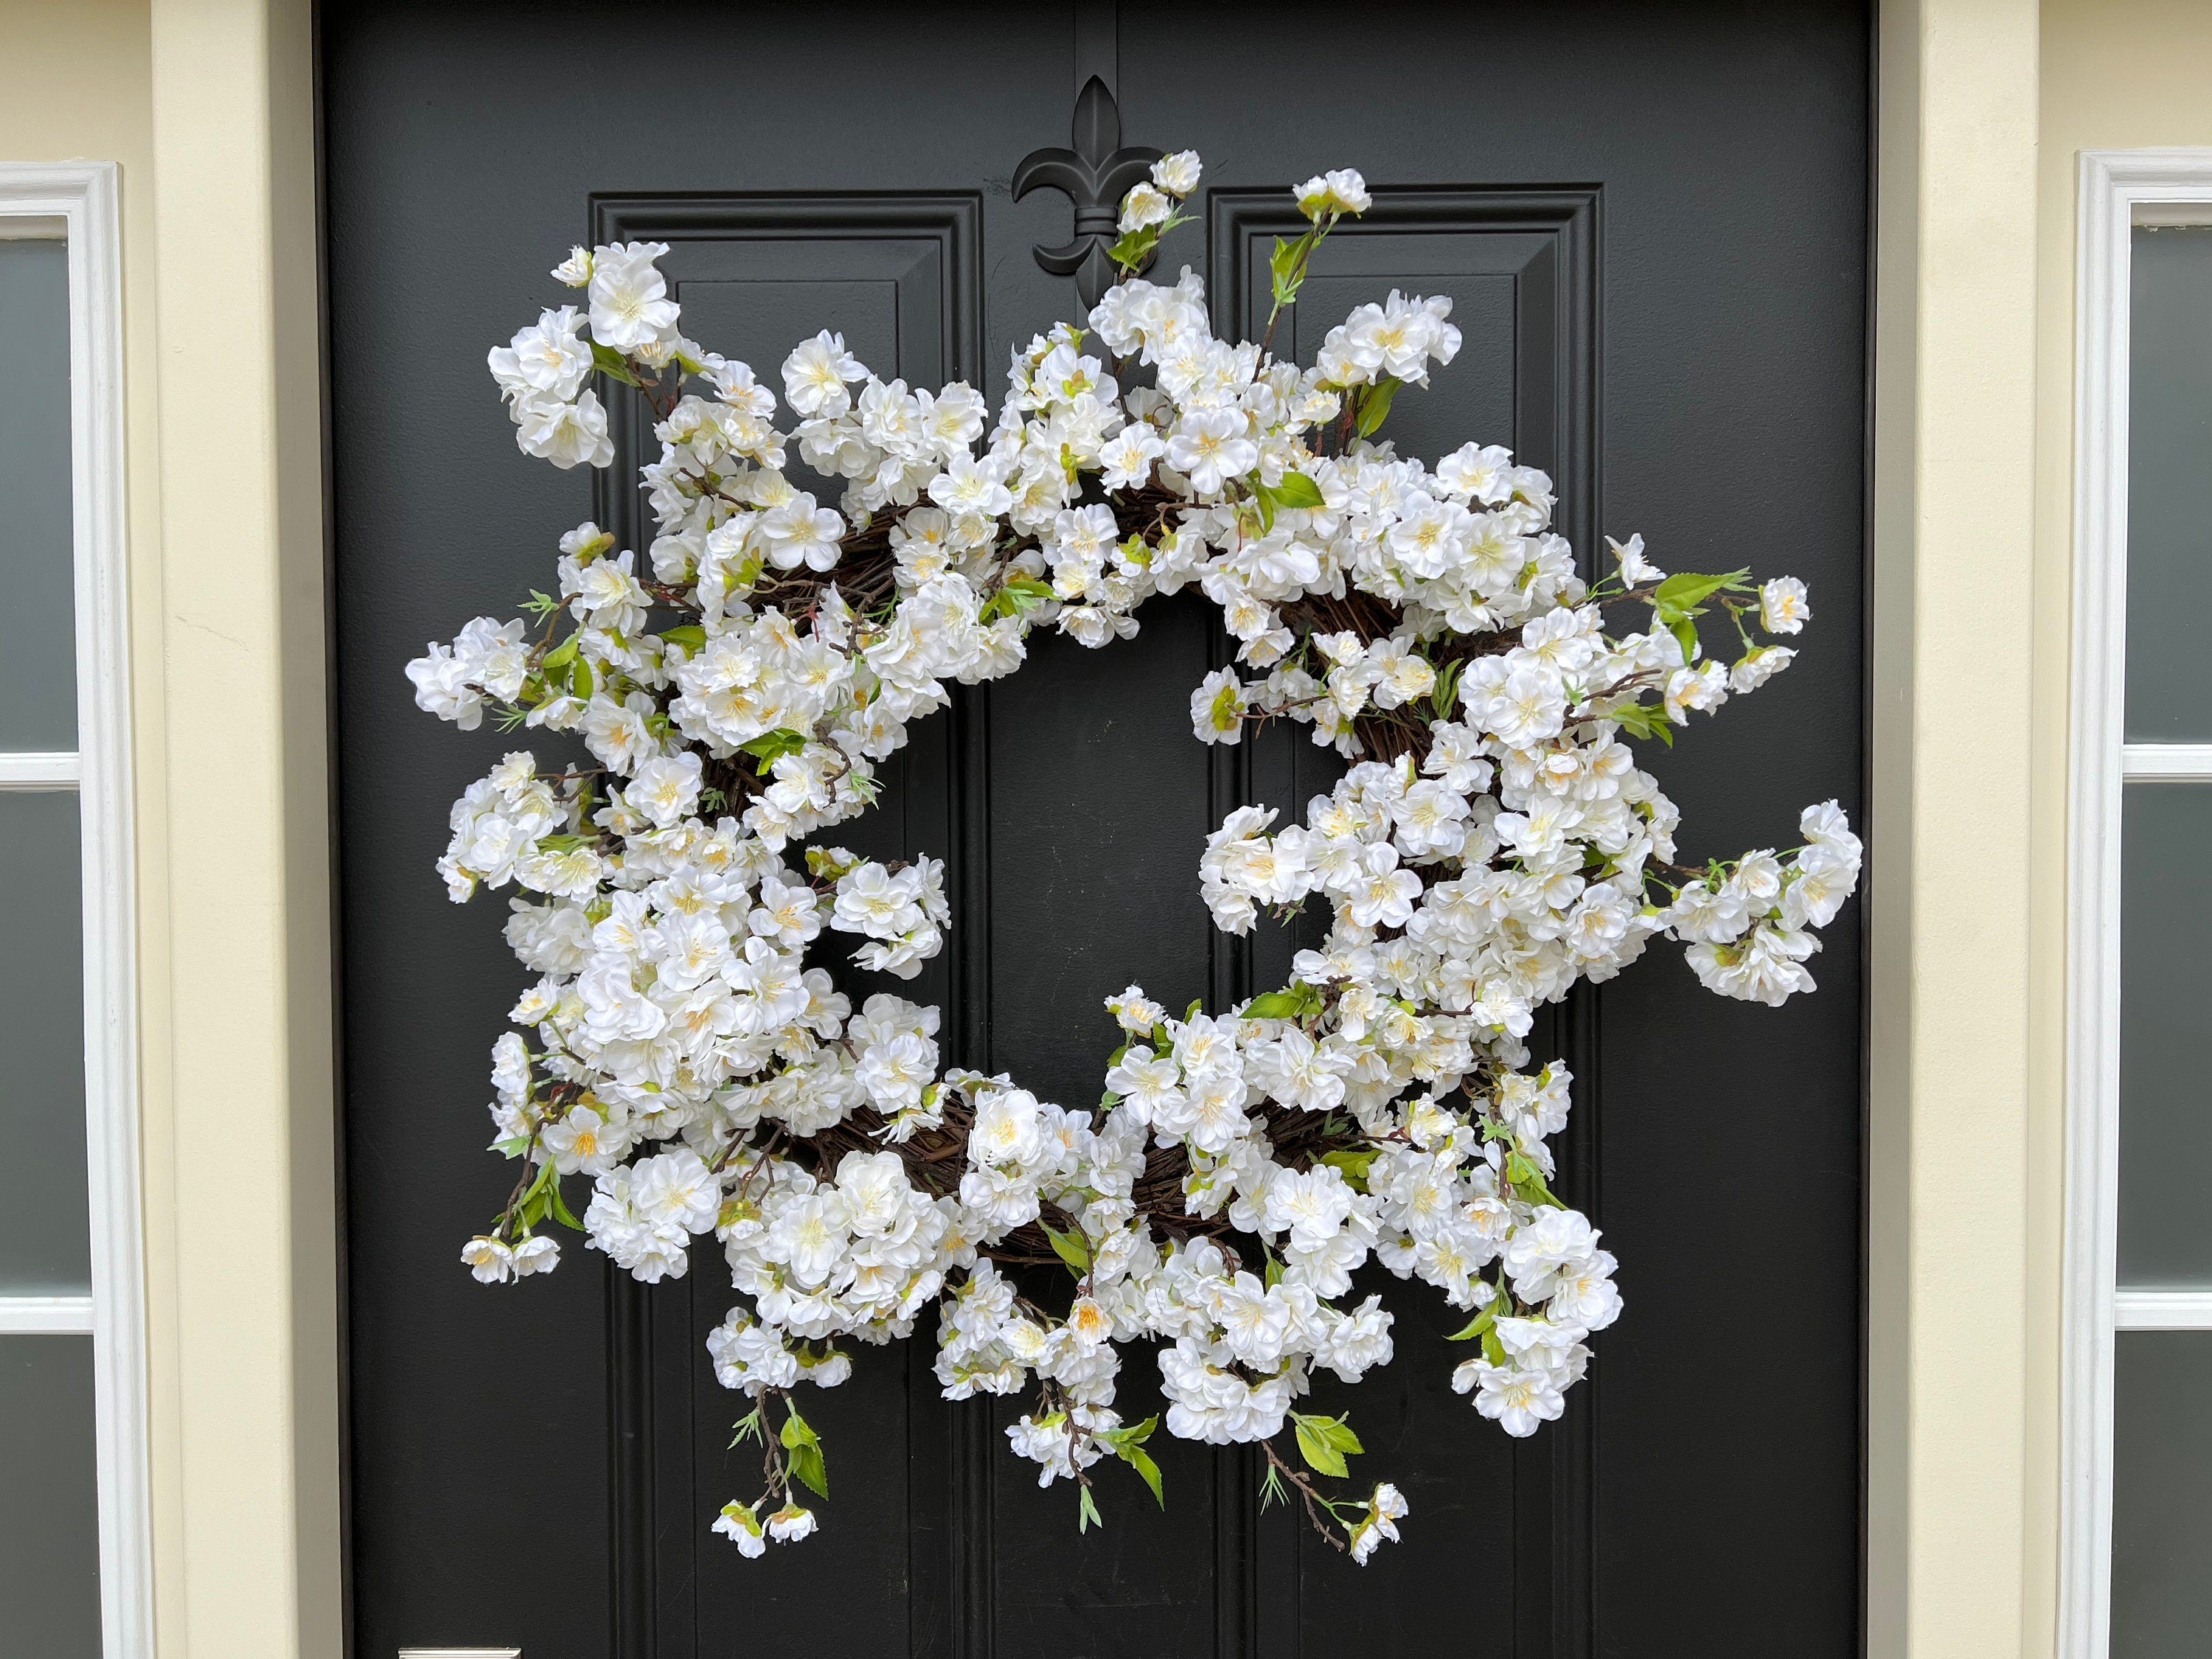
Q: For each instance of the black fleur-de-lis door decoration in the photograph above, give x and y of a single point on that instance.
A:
(1095, 174)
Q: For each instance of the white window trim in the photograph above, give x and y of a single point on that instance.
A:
(45, 1316)
(36, 771)
(2118, 190)
(82, 195)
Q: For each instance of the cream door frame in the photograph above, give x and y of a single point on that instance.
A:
(1954, 1533)
(246, 1318)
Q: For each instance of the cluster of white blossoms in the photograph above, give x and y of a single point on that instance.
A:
(1493, 841)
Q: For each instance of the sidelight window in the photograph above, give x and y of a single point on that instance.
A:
(73, 1579)
(2139, 1370)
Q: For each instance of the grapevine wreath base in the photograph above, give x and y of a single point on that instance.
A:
(1493, 841)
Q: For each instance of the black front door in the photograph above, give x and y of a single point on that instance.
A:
(1651, 222)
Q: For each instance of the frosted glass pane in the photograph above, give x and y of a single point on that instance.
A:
(2162, 1495)
(44, 1227)
(2165, 1039)
(38, 650)
(49, 1500)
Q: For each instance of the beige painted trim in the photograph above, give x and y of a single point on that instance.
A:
(256, 1459)
(1952, 886)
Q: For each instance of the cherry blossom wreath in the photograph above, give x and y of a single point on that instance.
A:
(1493, 841)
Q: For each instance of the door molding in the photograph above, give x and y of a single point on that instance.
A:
(928, 241)
(1568, 215)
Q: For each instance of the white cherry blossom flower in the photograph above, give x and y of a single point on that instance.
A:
(565, 433)
(818, 372)
(1339, 191)
(630, 306)
(1178, 174)
(1144, 206)
(1782, 606)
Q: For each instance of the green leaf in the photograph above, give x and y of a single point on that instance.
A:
(1134, 1434)
(579, 679)
(1264, 498)
(1296, 1000)
(1275, 1274)
(1132, 248)
(1645, 721)
(1314, 1446)
(1191, 1012)
(1447, 689)
(612, 363)
(1529, 1180)
(1354, 1162)
(1492, 1349)
(560, 656)
(1282, 267)
(1338, 1432)
(1073, 1249)
(806, 1463)
(1127, 1444)
(1297, 490)
(691, 636)
(1086, 1511)
(1681, 593)
(1021, 593)
(772, 746)
(1375, 407)
(1634, 717)
(1141, 1460)
(1481, 1322)
(557, 1207)
(805, 1448)
(1685, 634)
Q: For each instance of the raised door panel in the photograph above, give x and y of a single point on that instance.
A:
(1521, 268)
(898, 275)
